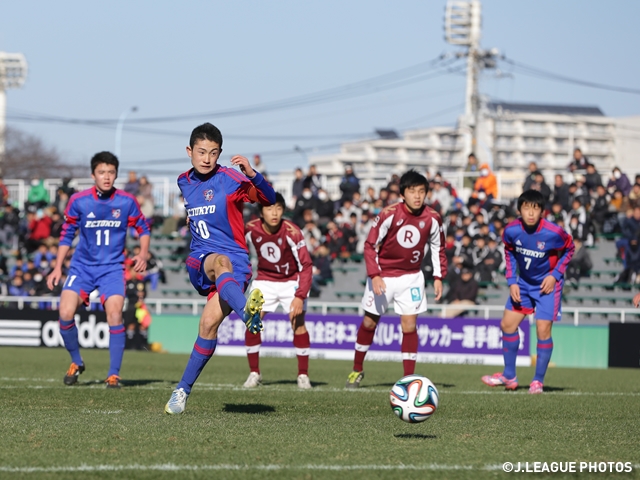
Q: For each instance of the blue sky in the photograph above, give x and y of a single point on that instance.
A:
(93, 60)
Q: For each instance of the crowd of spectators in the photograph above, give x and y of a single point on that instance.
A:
(587, 203)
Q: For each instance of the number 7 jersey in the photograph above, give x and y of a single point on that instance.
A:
(103, 222)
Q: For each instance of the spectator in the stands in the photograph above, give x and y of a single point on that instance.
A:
(321, 270)
(486, 186)
(541, 186)
(557, 213)
(463, 291)
(370, 196)
(530, 178)
(305, 202)
(579, 161)
(17, 289)
(619, 181)
(394, 182)
(309, 231)
(325, 207)
(634, 196)
(38, 229)
(313, 180)
(600, 208)
(561, 192)
(298, 186)
(442, 196)
(393, 198)
(38, 196)
(576, 192)
(349, 184)
(133, 184)
(631, 269)
(592, 178)
(4, 193)
(349, 208)
(471, 171)
(580, 263)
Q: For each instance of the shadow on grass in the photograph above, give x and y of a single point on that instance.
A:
(389, 385)
(292, 382)
(254, 408)
(444, 385)
(420, 436)
(142, 381)
(125, 383)
(546, 388)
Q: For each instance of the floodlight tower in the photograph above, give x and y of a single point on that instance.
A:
(13, 73)
(462, 26)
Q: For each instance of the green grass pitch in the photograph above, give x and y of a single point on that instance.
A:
(276, 431)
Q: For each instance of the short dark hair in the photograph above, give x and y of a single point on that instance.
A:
(279, 201)
(412, 178)
(206, 131)
(533, 197)
(104, 157)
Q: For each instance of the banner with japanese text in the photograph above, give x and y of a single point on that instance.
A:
(441, 340)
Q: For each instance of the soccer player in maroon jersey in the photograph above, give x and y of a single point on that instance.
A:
(284, 277)
(393, 252)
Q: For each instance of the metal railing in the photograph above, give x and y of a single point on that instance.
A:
(317, 306)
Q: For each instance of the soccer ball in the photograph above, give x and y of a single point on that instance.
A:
(414, 398)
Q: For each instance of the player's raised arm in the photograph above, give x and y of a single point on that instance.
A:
(258, 190)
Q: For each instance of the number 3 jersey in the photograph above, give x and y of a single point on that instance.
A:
(214, 204)
(538, 254)
(103, 220)
(282, 256)
(399, 240)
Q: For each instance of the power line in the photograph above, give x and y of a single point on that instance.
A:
(396, 79)
(537, 72)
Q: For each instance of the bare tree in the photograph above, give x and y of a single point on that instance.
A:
(26, 157)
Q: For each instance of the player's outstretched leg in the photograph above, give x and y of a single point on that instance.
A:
(363, 342)
(69, 333)
(252, 309)
(252, 343)
(248, 309)
(202, 351)
(302, 344)
(544, 350)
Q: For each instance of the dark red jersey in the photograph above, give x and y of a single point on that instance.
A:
(282, 256)
(398, 241)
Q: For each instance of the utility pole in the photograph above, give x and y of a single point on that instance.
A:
(463, 27)
(13, 72)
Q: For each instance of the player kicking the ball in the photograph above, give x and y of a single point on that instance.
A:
(541, 251)
(102, 214)
(218, 264)
(393, 252)
(284, 278)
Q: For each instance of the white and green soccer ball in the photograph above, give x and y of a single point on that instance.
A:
(414, 398)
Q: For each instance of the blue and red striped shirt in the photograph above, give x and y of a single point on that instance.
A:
(214, 204)
(103, 221)
(536, 254)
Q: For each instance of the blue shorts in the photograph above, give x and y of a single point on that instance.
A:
(203, 284)
(546, 307)
(84, 279)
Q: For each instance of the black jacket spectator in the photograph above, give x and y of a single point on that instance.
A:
(349, 184)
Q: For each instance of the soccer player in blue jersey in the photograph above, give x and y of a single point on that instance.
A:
(218, 264)
(102, 215)
(540, 252)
